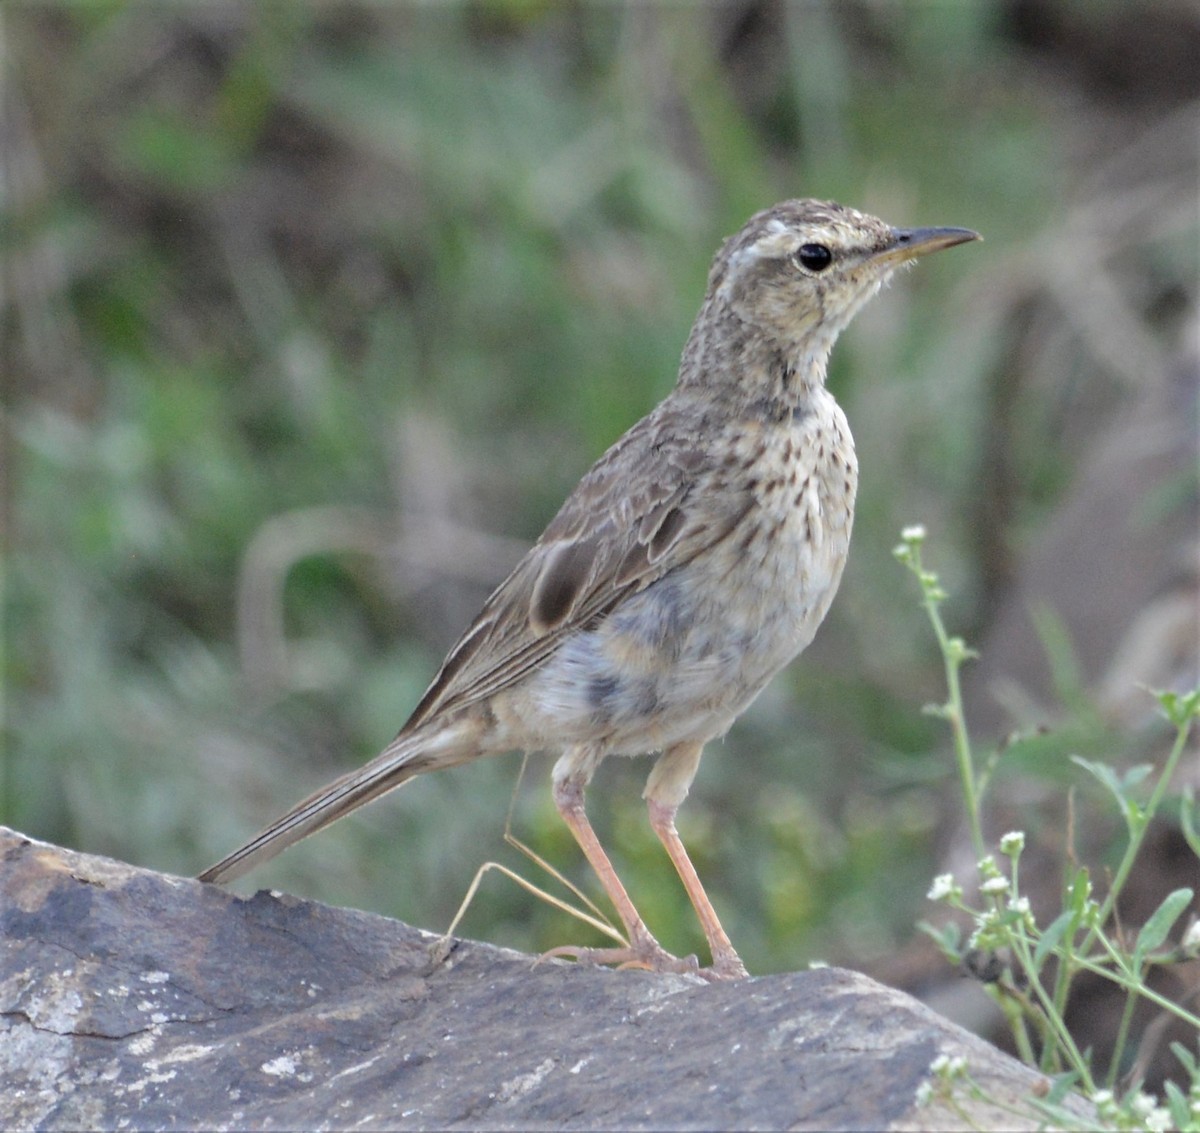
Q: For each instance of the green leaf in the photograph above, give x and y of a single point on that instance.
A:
(1106, 776)
(1079, 892)
(1179, 708)
(1120, 787)
(1052, 937)
(1187, 819)
(948, 938)
(1135, 775)
(1187, 1058)
(1177, 1105)
(1155, 930)
(1060, 1086)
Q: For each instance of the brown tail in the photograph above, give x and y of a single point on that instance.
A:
(407, 755)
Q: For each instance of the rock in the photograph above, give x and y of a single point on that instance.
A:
(130, 999)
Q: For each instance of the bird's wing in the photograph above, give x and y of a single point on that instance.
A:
(647, 507)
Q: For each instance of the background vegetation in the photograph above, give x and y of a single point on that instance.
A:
(313, 313)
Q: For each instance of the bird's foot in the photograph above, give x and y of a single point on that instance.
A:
(643, 951)
(727, 966)
(646, 953)
(657, 960)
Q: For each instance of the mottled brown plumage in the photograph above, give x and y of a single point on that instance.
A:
(696, 558)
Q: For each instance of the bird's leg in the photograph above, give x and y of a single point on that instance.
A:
(666, 789)
(643, 950)
(727, 965)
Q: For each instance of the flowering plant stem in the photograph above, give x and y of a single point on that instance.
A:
(954, 652)
(1086, 936)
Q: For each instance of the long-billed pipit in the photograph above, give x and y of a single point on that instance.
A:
(695, 560)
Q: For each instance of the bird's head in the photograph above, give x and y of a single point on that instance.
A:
(799, 271)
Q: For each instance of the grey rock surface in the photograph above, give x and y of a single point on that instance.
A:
(134, 1000)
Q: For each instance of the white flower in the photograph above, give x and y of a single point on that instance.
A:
(1146, 1109)
(948, 1066)
(914, 533)
(943, 886)
(988, 867)
(1143, 1105)
(1158, 1120)
(1012, 843)
(1105, 1103)
(1191, 938)
(994, 886)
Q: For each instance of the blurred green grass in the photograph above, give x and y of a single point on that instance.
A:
(417, 266)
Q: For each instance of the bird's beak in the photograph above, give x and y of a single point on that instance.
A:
(910, 243)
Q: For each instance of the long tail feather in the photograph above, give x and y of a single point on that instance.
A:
(408, 755)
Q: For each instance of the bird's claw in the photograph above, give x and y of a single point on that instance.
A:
(649, 956)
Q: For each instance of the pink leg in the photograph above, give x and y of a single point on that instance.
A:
(643, 951)
(727, 965)
(666, 789)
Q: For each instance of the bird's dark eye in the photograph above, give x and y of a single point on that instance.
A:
(814, 257)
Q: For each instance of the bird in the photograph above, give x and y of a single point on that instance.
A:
(694, 560)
